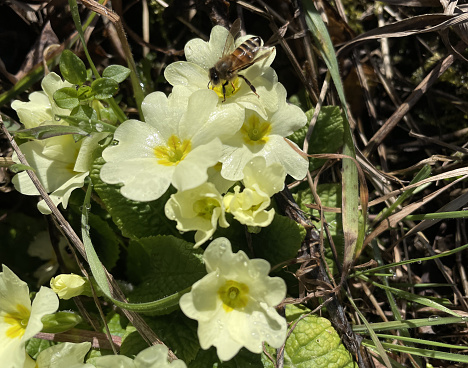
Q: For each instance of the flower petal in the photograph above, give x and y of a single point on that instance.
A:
(143, 178)
(192, 171)
(183, 73)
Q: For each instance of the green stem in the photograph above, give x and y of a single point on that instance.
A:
(117, 110)
(76, 19)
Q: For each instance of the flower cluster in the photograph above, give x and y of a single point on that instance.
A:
(61, 163)
(202, 140)
(222, 146)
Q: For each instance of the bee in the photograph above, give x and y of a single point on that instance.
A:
(230, 64)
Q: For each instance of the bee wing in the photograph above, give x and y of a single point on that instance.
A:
(233, 33)
(262, 56)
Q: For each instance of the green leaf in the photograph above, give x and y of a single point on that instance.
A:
(66, 98)
(177, 331)
(116, 72)
(60, 322)
(35, 346)
(173, 266)
(83, 112)
(100, 276)
(106, 240)
(88, 125)
(278, 242)
(16, 168)
(314, 343)
(72, 68)
(134, 219)
(327, 136)
(48, 131)
(104, 88)
(85, 93)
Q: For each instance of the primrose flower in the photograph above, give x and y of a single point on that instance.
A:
(197, 209)
(265, 137)
(61, 165)
(67, 286)
(41, 107)
(152, 357)
(19, 321)
(261, 182)
(178, 143)
(234, 303)
(194, 73)
(68, 355)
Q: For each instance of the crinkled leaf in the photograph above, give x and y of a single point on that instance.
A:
(178, 332)
(134, 219)
(314, 343)
(66, 98)
(48, 131)
(72, 68)
(278, 242)
(116, 72)
(327, 136)
(173, 266)
(104, 88)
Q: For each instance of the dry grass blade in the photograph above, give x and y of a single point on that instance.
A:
(393, 220)
(415, 25)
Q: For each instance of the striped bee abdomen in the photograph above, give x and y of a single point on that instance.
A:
(247, 50)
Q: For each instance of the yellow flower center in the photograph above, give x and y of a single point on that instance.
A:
(234, 295)
(174, 152)
(18, 322)
(204, 207)
(255, 131)
(231, 88)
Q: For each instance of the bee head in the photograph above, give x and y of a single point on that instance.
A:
(214, 77)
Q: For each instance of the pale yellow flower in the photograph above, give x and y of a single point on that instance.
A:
(19, 320)
(234, 303)
(179, 141)
(197, 209)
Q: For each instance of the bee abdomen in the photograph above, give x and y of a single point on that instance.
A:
(248, 49)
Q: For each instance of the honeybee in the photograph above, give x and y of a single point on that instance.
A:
(226, 69)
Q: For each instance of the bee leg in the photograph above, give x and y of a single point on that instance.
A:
(252, 87)
(224, 90)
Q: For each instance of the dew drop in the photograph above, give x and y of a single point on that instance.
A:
(56, 118)
(433, 318)
(99, 127)
(419, 262)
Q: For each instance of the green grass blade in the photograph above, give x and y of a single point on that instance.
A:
(353, 232)
(410, 323)
(427, 353)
